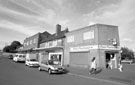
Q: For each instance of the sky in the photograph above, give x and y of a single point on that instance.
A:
(23, 18)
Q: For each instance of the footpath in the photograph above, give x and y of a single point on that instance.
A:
(125, 77)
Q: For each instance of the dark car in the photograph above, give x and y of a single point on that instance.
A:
(10, 56)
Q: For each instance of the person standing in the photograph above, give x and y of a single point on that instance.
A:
(110, 64)
(93, 66)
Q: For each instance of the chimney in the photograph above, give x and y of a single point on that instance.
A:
(58, 29)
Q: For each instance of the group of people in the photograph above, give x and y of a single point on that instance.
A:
(93, 66)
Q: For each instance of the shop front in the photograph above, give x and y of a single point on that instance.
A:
(109, 56)
(53, 53)
(82, 55)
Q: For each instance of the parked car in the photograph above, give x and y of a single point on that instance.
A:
(127, 61)
(31, 63)
(51, 67)
(19, 58)
(10, 56)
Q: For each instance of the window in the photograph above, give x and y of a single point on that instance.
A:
(47, 44)
(24, 44)
(30, 41)
(88, 35)
(60, 40)
(27, 43)
(70, 39)
(54, 43)
(35, 40)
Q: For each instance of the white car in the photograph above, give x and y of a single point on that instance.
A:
(19, 58)
(31, 63)
(51, 67)
(127, 61)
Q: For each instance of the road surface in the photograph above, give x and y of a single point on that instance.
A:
(12, 73)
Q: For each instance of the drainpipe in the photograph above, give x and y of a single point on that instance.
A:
(98, 46)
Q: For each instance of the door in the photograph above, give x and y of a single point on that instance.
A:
(43, 65)
(111, 60)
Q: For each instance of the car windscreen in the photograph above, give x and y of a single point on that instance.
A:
(22, 56)
(53, 62)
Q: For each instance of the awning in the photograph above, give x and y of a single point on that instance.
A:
(49, 48)
(25, 50)
(112, 51)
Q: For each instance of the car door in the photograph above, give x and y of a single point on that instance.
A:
(43, 65)
(46, 66)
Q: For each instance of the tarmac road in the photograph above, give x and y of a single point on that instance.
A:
(12, 73)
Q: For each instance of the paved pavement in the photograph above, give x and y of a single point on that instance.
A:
(125, 77)
(12, 73)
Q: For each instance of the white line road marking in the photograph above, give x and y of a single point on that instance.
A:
(96, 79)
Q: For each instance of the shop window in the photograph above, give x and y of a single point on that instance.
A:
(56, 58)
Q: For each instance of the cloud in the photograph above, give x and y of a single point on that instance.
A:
(91, 23)
(18, 27)
(59, 2)
(128, 40)
(121, 14)
(31, 23)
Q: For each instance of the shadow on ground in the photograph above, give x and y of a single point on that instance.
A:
(98, 70)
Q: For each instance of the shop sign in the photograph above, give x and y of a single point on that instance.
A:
(87, 48)
(108, 47)
(83, 48)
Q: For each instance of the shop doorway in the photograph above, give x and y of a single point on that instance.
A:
(56, 58)
(110, 60)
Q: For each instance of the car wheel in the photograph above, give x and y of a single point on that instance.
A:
(15, 61)
(39, 69)
(50, 71)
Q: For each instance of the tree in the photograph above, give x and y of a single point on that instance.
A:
(12, 48)
(127, 53)
(15, 44)
(6, 49)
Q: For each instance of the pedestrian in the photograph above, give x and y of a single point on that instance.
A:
(120, 66)
(93, 66)
(110, 64)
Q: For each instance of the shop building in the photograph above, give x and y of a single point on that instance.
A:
(33, 42)
(52, 47)
(98, 40)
